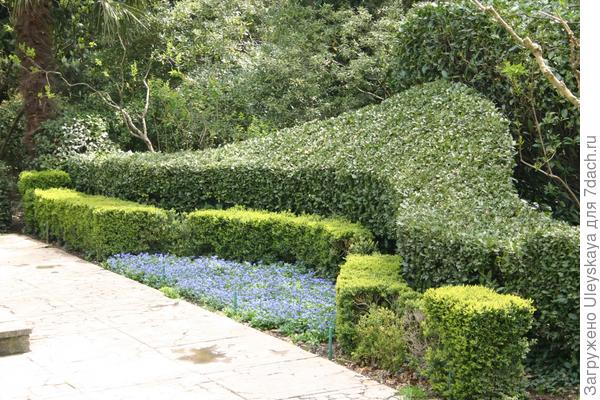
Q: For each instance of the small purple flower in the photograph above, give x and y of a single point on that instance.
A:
(269, 296)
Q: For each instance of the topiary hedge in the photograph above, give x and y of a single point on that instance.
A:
(96, 225)
(5, 204)
(429, 169)
(249, 235)
(365, 281)
(456, 41)
(477, 342)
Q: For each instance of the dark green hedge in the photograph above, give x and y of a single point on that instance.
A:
(5, 203)
(365, 281)
(456, 41)
(96, 225)
(429, 169)
(476, 342)
(248, 235)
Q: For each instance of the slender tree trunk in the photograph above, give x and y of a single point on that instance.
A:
(33, 29)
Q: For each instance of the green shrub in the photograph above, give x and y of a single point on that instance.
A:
(454, 40)
(42, 180)
(366, 281)
(96, 225)
(73, 132)
(477, 341)
(5, 203)
(30, 180)
(248, 235)
(380, 339)
(429, 170)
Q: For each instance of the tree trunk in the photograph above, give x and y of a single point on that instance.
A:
(33, 28)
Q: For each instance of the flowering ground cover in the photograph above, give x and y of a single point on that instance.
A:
(268, 296)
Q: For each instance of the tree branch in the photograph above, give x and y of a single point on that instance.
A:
(535, 49)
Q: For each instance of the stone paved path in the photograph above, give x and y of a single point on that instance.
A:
(100, 336)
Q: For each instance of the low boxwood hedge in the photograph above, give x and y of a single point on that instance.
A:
(96, 225)
(477, 342)
(249, 235)
(366, 281)
(47, 179)
(429, 169)
(30, 180)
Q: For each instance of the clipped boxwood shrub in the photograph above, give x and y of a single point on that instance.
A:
(429, 169)
(477, 340)
(97, 225)
(30, 180)
(365, 281)
(47, 179)
(5, 204)
(249, 235)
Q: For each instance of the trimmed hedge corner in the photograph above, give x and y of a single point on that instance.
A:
(96, 225)
(365, 281)
(249, 235)
(43, 180)
(477, 340)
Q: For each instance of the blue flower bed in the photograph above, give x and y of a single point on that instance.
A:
(274, 296)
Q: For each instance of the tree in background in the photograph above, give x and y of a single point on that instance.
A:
(33, 23)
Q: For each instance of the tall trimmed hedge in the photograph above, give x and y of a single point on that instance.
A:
(251, 235)
(97, 225)
(456, 41)
(429, 169)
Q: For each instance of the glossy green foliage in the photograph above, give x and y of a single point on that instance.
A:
(478, 342)
(365, 281)
(455, 41)
(429, 169)
(5, 203)
(248, 235)
(97, 225)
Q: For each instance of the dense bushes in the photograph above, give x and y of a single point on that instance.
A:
(249, 235)
(5, 203)
(363, 282)
(430, 169)
(455, 41)
(380, 339)
(96, 225)
(478, 342)
(73, 132)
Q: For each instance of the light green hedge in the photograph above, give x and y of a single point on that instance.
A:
(365, 281)
(43, 180)
(96, 225)
(249, 235)
(428, 171)
(477, 342)
(30, 180)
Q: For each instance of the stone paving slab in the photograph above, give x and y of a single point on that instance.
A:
(100, 336)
